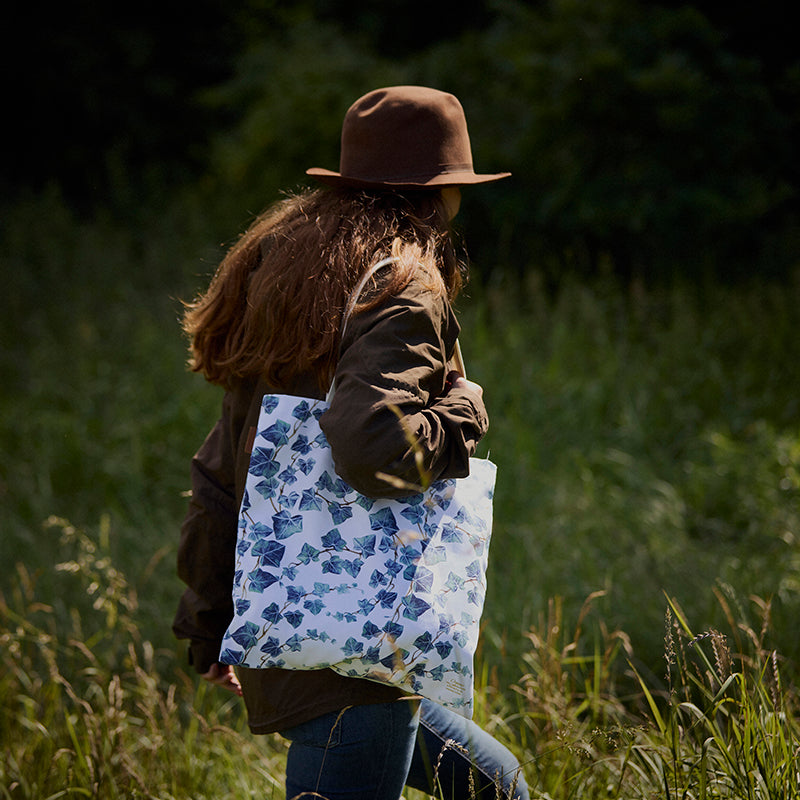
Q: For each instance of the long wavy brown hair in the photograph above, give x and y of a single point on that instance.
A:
(274, 307)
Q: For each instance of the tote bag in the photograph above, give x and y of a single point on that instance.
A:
(391, 590)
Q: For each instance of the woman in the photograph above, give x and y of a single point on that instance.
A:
(270, 322)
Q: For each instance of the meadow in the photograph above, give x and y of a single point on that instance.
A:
(640, 635)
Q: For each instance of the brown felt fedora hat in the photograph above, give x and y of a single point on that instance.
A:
(404, 137)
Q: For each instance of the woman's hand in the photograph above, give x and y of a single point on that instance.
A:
(456, 380)
(224, 676)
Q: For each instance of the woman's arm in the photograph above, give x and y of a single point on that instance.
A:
(392, 390)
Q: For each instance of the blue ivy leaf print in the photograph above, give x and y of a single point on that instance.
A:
(260, 580)
(260, 531)
(353, 567)
(423, 580)
(289, 475)
(301, 444)
(377, 579)
(386, 544)
(365, 502)
(370, 630)
(446, 621)
(393, 629)
(383, 520)
(295, 643)
(314, 606)
(325, 482)
(474, 597)
(392, 567)
(269, 403)
(228, 656)
(436, 554)
(286, 525)
(268, 488)
(306, 465)
(339, 513)
(414, 607)
(277, 433)
(352, 647)
(289, 573)
(294, 618)
(272, 613)
(474, 569)
(321, 589)
(317, 412)
(263, 463)
(414, 514)
(269, 552)
(408, 554)
(242, 606)
(454, 582)
(460, 638)
(365, 607)
(450, 533)
(302, 411)
(333, 540)
(366, 545)
(288, 500)
(309, 501)
(294, 594)
(372, 655)
(395, 660)
(437, 673)
(444, 649)
(237, 577)
(341, 489)
(386, 598)
(246, 635)
(242, 546)
(333, 565)
(424, 642)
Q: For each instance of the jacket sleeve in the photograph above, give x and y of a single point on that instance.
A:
(207, 546)
(390, 413)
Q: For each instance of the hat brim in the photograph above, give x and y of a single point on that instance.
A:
(438, 181)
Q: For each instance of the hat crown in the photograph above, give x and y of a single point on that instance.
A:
(405, 133)
(404, 137)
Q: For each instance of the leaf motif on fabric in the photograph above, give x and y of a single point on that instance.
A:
(333, 540)
(384, 520)
(294, 618)
(269, 403)
(301, 444)
(269, 552)
(414, 607)
(339, 513)
(263, 463)
(260, 580)
(309, 501)
(272, 613)
(314, 606)
(286, 525)
(352, 647)
(366, 545)
(277, 433)
(246, 635)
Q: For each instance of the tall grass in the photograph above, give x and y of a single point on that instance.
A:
(648, 449)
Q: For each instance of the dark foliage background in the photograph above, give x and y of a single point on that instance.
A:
(645, 139)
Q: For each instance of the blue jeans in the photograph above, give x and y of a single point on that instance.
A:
(371, 752)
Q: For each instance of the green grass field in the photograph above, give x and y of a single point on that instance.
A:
(640, 636)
